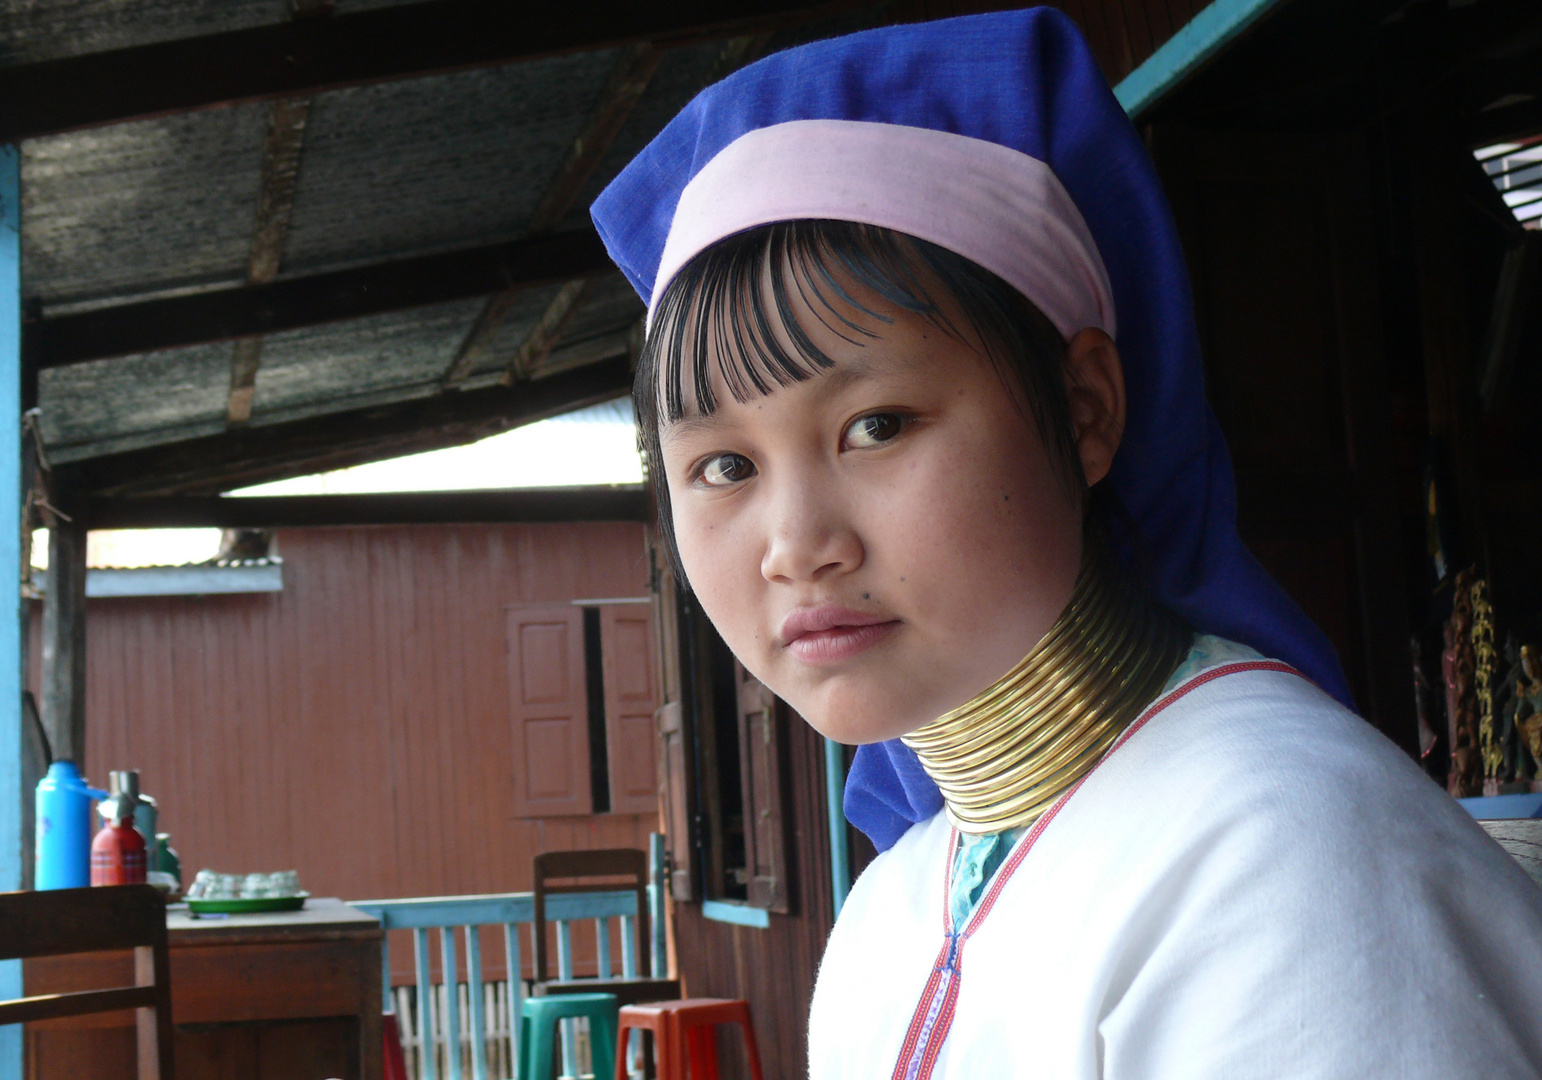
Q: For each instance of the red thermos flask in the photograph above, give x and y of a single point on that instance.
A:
(118, 852)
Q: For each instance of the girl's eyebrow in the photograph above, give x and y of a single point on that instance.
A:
(692, 425)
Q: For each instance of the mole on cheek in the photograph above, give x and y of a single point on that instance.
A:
(868, 596)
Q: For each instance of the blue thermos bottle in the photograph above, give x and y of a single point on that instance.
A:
(64, 828)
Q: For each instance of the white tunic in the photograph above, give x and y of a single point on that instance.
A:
(1253, 883)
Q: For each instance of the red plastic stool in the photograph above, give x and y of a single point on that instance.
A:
(654, 1018)
(685, 1036)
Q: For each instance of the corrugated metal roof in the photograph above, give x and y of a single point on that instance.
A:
(168, 206)
(344, 365)
(32, 30)
(134, 209)
(131, 401)
(430, 164)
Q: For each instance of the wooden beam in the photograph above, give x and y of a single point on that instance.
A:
(306, 56)
(245, 358)
(258, 453)
(538, 344)
(63, 707)
(280, 174)
(617, 98)
(254, 310)
(275, 203)
(599, 503)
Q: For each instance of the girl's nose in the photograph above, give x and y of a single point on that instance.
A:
(809, 537)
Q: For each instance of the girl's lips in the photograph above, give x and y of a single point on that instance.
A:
(840, 643)
(826, 635)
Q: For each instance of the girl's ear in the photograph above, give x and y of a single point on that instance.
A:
(1095, 392)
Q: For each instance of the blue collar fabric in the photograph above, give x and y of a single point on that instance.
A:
(1025, 80)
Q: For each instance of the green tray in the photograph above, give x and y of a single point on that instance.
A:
(248, 906)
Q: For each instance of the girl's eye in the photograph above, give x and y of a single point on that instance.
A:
(873, 429)
(727, 469)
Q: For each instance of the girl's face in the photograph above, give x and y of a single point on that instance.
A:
(883, 541)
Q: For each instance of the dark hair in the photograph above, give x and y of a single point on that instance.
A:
(716, 308)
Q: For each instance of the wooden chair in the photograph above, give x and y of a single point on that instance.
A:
(621, 869)
(625, 869)
(62, 921)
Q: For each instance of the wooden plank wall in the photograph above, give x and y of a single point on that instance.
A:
(355, 726)
(773, 968)
(1121, 33)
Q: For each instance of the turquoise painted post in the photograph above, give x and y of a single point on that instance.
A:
(516, 973)
(12, 843)
(602, 944)
(628, 948)
(565, 972)
(478, 1002)
(1206, 34)
(658, 960)
(840, 855)
(451, 1003)
(424, 960)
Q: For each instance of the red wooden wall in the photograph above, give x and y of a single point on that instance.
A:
(355, 726)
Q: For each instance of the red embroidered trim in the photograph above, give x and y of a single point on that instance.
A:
(913, 1035)
(939, 1034)
(944, 1021)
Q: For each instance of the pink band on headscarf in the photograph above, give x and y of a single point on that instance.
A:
(991, 204)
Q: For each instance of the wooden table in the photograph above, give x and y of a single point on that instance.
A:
(253, 997)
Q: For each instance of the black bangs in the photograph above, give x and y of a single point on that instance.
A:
(728, 304)
(733, 306)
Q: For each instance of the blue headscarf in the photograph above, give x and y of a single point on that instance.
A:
(1027, 81)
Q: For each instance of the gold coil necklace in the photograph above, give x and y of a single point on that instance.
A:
(1004, 757)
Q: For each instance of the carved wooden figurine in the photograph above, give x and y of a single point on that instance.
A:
(1528, 704)
(1484, 661)
(1519, 764)
(1465, 778)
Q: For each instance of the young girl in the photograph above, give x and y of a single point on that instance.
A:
(922, 398)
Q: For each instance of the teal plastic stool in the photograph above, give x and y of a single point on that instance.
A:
(538, 1028)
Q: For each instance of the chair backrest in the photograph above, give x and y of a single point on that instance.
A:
(582, 869)
(63, 921)
(491, 1014)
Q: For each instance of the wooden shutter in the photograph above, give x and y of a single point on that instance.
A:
(549, 706)
(675, 738)
(675, 768)
(761, 721)
(631, 698)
